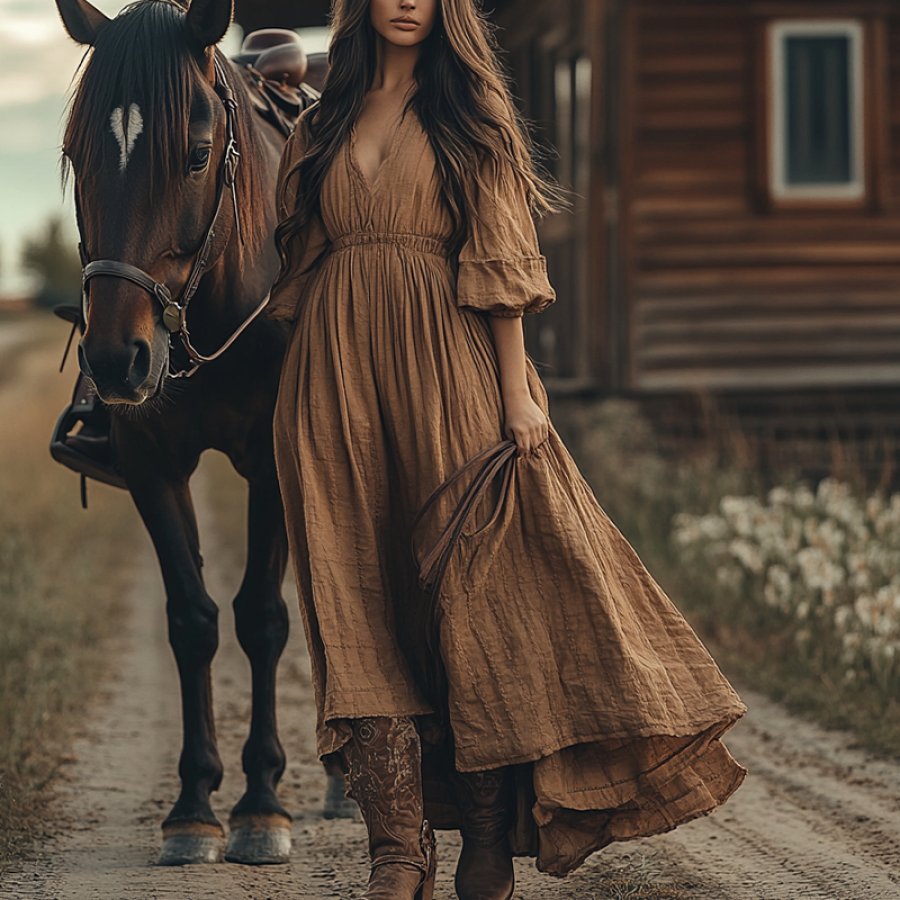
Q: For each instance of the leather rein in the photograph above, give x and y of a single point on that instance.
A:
(492, 463)
(174, 310)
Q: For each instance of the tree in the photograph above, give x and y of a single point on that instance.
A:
(53, 257)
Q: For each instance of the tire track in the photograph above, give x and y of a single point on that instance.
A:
(815, 818)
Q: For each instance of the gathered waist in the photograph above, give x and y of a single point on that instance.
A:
(422, 243)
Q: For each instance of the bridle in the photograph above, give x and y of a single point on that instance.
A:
(174, 310)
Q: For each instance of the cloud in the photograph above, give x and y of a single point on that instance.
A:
(37, 57)
(38, 61)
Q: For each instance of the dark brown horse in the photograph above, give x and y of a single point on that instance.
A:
(148, 135)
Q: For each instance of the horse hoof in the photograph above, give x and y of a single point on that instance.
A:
(259, 840)
(337, 804)
(185, 843)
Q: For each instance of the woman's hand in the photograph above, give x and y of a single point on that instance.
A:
(524, 422)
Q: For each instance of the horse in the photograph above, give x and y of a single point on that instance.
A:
(174, 183)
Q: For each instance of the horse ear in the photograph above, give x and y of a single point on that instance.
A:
(82, 21)
(208, 20)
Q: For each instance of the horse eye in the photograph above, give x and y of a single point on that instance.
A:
(199, 158)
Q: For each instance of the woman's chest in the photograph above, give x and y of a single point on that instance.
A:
(403, 194)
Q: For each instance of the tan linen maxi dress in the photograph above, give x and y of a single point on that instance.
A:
(562, 654)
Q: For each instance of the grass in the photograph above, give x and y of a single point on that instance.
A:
(63, 571)
(642, 488)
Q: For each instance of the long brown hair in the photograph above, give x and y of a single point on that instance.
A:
(462, 98)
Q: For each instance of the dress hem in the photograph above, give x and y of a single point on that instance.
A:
(728, 715)
(738, 779)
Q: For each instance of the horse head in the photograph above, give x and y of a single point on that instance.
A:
(146, 138)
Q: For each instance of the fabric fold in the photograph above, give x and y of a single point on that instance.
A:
(501, 268)
(505, 287)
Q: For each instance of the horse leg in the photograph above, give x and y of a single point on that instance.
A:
(260, 827)
(191, 832)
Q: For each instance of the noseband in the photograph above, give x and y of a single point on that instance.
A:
(174, 311)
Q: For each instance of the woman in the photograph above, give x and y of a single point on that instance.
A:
(575, 705)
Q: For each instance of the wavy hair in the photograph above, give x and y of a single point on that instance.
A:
(463, 99)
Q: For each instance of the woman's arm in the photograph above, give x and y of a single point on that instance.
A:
(524, 421)
(287, 291)
(502, 273)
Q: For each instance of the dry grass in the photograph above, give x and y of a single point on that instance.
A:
(61, 577)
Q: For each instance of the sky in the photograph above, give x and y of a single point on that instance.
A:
(37, 63)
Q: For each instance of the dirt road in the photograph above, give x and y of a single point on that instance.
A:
(814, 819)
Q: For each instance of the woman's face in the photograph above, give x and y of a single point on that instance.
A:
(387, 19)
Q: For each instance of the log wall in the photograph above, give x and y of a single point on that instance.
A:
(723, 291)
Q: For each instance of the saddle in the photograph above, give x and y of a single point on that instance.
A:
(273, 65)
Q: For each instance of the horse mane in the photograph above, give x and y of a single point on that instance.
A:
(144, 56)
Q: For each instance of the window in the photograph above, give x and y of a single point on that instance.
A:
(816, 138)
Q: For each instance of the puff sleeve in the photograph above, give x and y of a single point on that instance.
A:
(501, 269)
(287, 291)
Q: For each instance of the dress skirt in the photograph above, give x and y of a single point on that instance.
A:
(562, 656)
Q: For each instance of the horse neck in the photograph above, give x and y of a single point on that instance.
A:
(242, 275)
(229, 292)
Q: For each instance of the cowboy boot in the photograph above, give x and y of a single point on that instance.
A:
(485, 867)
(384, 762)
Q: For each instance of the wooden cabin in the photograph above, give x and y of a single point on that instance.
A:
(739, 169)
(736, 165)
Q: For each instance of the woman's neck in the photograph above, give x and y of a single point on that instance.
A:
(394, 67)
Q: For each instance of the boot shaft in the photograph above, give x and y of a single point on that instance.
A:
(485, 800)
(384, 775)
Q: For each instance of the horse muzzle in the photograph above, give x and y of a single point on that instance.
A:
(121, 374)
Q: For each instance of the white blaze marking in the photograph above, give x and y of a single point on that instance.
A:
(125, 128)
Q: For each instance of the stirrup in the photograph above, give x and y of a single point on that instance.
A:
(87, 454)
(80, 439)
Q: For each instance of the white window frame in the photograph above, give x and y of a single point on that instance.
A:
(779, 31)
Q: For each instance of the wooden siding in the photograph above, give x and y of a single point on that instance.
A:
(722, 291)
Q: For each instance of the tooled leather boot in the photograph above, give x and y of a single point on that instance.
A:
(384, 762)
(485, 868)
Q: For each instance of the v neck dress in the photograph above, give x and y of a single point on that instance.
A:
(563, 656)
